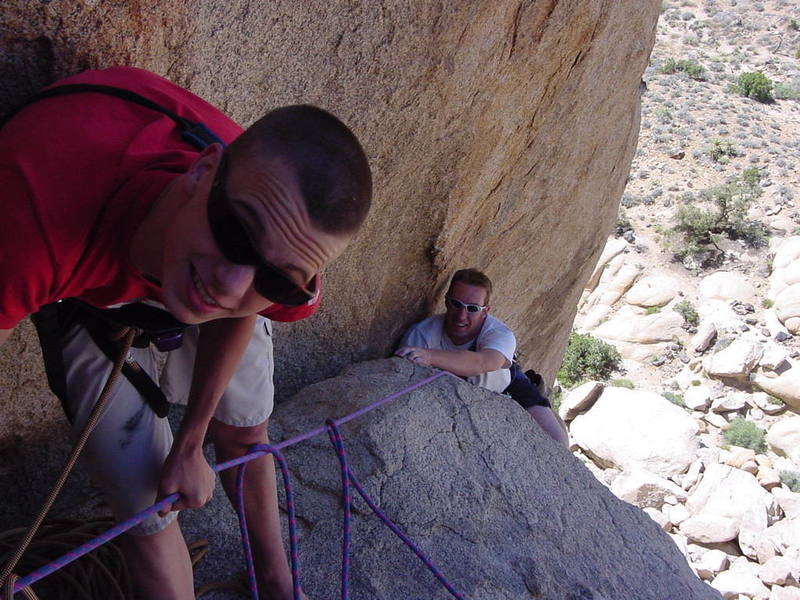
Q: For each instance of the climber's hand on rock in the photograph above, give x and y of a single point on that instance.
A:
(415, 354)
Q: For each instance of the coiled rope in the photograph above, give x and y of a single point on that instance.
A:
(7, 578)
(348, 478)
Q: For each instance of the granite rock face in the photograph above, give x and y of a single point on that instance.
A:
(502, 510)
(493, 129)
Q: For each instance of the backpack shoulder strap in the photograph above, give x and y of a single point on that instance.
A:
(196, 133)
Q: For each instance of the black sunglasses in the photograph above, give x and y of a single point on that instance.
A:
(457, 304)
(235, 243)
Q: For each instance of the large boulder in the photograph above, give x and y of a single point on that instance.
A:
(734, 361)
(640, 336)
(620, 431)
(653, 290)
(784, 438)
(500, 507)
(645, 489)
(613, 247)
(726, 286)
(493, 128)
(735, 495)
(637, 328)
(617, 277)
(784, 384)
(784, 282)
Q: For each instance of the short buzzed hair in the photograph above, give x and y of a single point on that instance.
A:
(473, 277)
(326, 158)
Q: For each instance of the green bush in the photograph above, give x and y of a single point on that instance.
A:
(651, 310)
(690, 67)
(791, 479)
(687, 310)
(754, 85)
(555, 398)
(587, 357)
(767, 303)
(751, 177)
(721, 151)
(675, 398)
(775, 400)
(721, 212)
(623, 383)
(745, 434)
(623, 223)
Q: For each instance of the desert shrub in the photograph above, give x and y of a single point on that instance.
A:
(767, 303)
(623, 224)
(687, 310)
(556, 397)
(720, 212)
(751, 177)
(676, 399)
(745, 434)
(693, 69)
(692, 231)
(721, 151)
(788, 91)
(791, 479)
(664, 115)
(587, 357)
(623, 383)
(775, 400)
(629, 200)
(754, 85)
(651, 310)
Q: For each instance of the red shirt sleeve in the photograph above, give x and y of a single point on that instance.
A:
(287, 314)
(23, 252)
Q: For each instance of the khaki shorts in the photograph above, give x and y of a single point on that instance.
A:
(129, 444)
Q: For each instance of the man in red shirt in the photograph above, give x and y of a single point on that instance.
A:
(104, 201)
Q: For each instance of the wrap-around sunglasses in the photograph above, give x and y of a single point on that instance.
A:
(457, 304)
(236, 245)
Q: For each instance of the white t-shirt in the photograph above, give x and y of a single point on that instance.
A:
(494, 335)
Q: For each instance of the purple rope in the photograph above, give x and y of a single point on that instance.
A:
(338, 444)
(349, 477)
(315, 432)
(256, 452)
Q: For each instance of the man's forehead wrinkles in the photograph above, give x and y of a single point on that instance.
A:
(294, 225)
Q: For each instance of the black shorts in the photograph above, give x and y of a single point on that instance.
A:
(523, 390)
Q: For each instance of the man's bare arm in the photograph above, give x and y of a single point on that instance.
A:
(219, 350)
(464, 363)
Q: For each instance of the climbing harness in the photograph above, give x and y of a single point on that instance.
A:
(348, 479)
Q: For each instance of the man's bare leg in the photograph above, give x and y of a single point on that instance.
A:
(261, 504)
(159, 564)
(550, 423)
